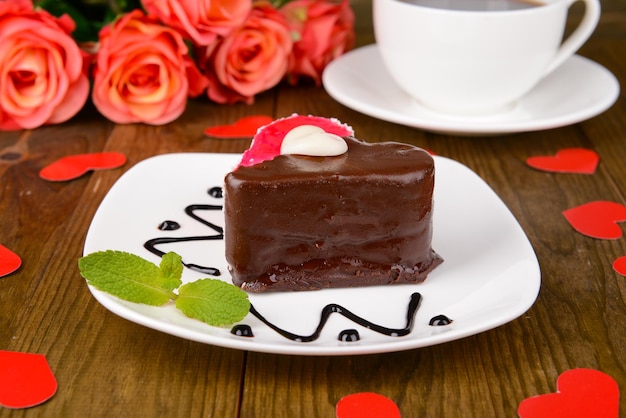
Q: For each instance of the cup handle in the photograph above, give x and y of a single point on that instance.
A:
(580, 35)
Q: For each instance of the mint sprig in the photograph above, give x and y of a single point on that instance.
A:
(134, 279)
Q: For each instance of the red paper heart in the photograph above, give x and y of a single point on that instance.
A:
(620, 265)
(597, 219)
(74, 166)
(580, 393)
(366, 405)
(25, 379)
(567, 160)
(242, 128)
(9, 261)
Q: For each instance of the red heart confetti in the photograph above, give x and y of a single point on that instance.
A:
(619, 265)
(581, 393)
(567, 160)
(74, 166)
(245, 127)
(9, 261)
(597, 219)
(25, 379)
(366, 405)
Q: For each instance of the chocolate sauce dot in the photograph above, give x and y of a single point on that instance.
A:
(349, 336)
(242, 330)
(169, 226)
(439, 320)
(216, 192)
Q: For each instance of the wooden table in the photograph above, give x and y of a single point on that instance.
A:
(108, 366)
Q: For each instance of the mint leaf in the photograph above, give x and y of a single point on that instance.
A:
(129, 277)
(171, 269)
(213, 301)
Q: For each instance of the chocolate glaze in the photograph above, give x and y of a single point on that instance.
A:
(362, 218)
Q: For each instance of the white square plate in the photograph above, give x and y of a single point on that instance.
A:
(490, 275)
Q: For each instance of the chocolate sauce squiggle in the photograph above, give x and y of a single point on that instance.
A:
(150, 245)
(331, 308)
(190, 210)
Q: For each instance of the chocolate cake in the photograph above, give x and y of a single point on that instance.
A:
(303, 222)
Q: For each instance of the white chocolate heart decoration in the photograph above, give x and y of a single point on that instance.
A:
(313, 141)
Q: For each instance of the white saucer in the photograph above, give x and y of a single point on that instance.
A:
(578, 90)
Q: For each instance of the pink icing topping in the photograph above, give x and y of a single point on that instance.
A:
(268, 139)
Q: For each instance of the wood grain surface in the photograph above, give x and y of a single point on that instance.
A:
(107, 366)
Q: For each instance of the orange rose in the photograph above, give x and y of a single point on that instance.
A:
(142, 72)
(41, 68)
(202, 21)
(250, 60)
(325, 30)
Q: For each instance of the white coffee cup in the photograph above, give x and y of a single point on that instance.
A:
(475, 62)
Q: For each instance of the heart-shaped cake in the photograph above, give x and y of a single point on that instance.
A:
(304, 212)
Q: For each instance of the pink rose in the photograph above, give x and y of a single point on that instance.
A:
(143, 72)
(42, 80)
(250, 60)
(202, 21)
(325, 30)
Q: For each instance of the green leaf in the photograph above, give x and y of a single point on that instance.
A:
(171, 269)
(213, 301)
(128, 277)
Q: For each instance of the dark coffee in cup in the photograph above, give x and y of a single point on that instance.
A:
(477, 5)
